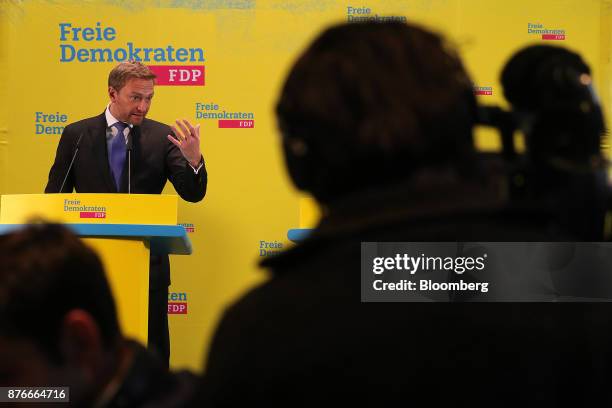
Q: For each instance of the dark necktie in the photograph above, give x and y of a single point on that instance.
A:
(117, 153)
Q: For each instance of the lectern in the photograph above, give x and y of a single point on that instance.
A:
(124, 229)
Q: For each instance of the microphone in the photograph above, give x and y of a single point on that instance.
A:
(129, 149)
(76, 150)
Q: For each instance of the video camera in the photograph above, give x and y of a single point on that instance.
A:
(562, 169)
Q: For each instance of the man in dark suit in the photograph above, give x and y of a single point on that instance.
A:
(120, 151)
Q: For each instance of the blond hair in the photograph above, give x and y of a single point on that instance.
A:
(125, 71)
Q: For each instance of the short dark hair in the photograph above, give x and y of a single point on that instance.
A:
(46, 271)
(374, 101)
(127, 70)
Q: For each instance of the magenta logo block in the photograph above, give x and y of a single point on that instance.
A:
(178, 75)
(483, 90)
(92, 214)
(177, 307)
(231, 123)
(553, 37)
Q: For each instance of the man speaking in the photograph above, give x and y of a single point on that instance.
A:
(121, 151)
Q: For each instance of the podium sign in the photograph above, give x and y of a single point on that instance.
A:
(90, 208)
(122, 228)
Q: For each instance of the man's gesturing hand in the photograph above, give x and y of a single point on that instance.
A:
(188, 141)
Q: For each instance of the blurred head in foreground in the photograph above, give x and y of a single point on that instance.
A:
(59, 327)
(58, 323)
(370, 103)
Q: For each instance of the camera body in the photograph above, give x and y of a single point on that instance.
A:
(562, 170)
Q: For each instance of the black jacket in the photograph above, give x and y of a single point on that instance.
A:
(305, 339)
(148, 384)
(154, 161)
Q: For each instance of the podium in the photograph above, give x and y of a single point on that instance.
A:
(123, 229)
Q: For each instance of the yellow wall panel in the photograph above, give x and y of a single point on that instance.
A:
(248, 48)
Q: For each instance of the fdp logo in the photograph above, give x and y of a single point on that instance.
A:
(483, 90)
(177, 303)
(226, 119)
(178, 75)
(233, 124)
(188, 227)
(545, 33)
(85, 211)
(50, 123)
(267, 248)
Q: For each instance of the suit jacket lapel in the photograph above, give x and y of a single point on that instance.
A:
(101, 153)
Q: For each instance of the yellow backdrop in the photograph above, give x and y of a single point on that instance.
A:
(246, 47)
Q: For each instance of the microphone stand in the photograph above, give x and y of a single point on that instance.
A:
(76, 150)
(129, 149)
